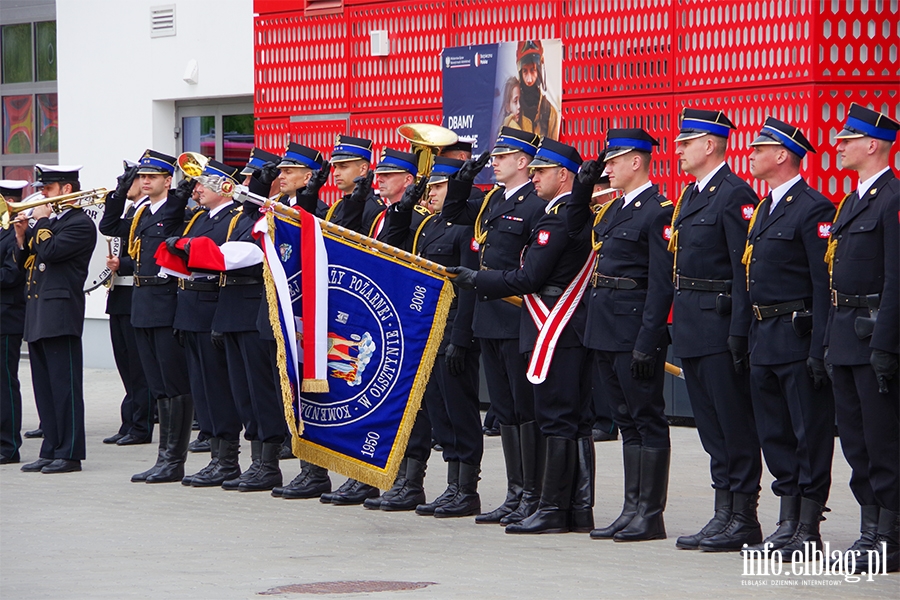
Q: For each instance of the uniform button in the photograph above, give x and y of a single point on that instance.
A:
(678, 270)
(601, 256)
(757, 238)
(752, 281)
(677, 293)
(680, 248)
(779, 234)
(703, 220)
(491, 227)
(841, 236)
(487, 245)
(754, 260)
(595, 294)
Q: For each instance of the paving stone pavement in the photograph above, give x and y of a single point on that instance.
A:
(95, 535)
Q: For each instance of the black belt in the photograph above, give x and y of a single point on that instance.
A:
(198, 286)
(849, 300)
(140, 280)
(235, 280)
(775, 310)
(702, 285)
(617, 283)
(551, 290)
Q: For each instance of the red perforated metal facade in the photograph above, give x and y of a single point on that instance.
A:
(625, 63)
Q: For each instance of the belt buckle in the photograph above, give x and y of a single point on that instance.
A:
(677, 282)
(834, 297)
(756, 312)
(181, 284)
(222, 280)
(594, 279)
(137, 281)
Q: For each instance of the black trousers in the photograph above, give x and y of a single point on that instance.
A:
(796, 429)
(562, 402)
(419, 445)
(208, 372)
(10, 396)
(137, 404)
(512, 396)
(452, 404)
(57, 378)
(723, 412)
(869, 425)
(163, 361)
(637, 405)
(257, 397)
(603, 418)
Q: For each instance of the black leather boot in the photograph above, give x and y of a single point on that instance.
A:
(887, 541)
(512, 456)
(466, 502)
(412, 493)
(631, 457)
(868, 529)
(181, 411)
(399, 480)
(227, 466)
(351, 493)
(163, 407)
(214, 459)
(268, 475)
(312, 482)
(552, 515)
(742, 528)
(807, 533)
(255, 454)
(716, 525)
(447, 495)
(648, 523)
(533, 453)
(788, 520)
(582, 513)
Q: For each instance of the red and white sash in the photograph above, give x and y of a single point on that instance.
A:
(550, 323)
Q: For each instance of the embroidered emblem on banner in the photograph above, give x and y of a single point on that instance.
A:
(284, 252)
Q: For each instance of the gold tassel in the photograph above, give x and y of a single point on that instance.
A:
(134, 245)
(192, 221)
(832, 242)
(331, 209)
(315, 386)
(673, 241)
(748, 247)
(481, 236)
(233, 223)
(597, 218)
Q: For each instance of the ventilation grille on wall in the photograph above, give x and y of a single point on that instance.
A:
(162, 21)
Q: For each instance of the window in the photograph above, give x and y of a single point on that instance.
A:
(220, 131)
(28, 98)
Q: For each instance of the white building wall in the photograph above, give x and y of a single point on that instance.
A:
(118, 88)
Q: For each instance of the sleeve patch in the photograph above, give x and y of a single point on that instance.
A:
(543, 237)
(747, 211)
(824, 230)
(474, 245)
(667, 232)
(43, 235)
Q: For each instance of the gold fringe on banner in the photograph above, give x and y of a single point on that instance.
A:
(314, 386)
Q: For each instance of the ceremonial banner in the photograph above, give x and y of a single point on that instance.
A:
(385, 320)
(512, 84)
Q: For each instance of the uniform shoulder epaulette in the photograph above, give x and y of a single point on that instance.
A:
(379, 200)
(556, 207)
(421, 210)
(665, 202)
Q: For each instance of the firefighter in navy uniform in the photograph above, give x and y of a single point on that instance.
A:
(628, 306)
(197, 303)
(710, 321)
(553, 275)
(136, 409)
(351, 161)
(153, 306)
(503, 224)
(863, 330)
(396, 171)
(301, 168)
(59, 249)
(788, 285)
(12, 325)
(451, 397)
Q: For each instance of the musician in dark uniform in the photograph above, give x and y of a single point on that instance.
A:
(450, 405)
(12, 325)
(554, 273)
(788, 284)
(59, 249)
(351, 161)
(136, 410)
(628, 306)
(198, 299)
(301, 168)
(862, 338)
(710, 321)
(153, 304)
(503, 224)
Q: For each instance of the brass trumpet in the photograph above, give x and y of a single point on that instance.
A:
(426, 141)
(73, 200)
(192, 164)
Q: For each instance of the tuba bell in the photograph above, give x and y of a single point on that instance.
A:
(192, 164)
(426, 141)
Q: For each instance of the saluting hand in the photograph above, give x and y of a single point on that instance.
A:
(412, 194)
(363, 187)
(125, 181)
(471, 168)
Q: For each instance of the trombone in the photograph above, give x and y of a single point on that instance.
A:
(8, 210)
